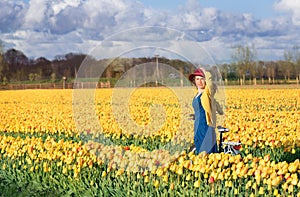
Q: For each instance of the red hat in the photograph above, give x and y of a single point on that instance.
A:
(197, 72)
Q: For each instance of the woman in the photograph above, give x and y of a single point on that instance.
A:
(205, 107)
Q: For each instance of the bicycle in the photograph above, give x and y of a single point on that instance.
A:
(230, 147)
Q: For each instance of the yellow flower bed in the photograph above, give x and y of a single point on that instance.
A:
(256, 117)
(30, 111)
(261, 119)
(264, 117)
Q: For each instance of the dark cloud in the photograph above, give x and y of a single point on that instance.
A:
(11, 15)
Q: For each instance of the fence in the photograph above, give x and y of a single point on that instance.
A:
(93, 85)
(78, 85)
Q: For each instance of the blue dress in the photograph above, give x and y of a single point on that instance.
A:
(204, 135)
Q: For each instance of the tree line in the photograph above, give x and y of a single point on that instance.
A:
(244, 67)
(15, 66)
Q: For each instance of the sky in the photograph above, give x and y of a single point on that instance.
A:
(48, 28)
(263, 9)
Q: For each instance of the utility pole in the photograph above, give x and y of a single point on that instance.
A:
(157, 72)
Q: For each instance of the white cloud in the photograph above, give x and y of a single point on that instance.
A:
(47, 28)
(292, 7)
(61, 5)
(36, 14)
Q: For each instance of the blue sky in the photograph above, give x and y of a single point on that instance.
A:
(261, 9)
(55, 27)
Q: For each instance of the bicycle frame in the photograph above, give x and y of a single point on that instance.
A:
(228, 147)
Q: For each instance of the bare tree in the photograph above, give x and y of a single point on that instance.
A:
(287, 65)
(244, 58)
(261, 70)
(270, 66)
(224, 69)
(1, 62)
(296, 54)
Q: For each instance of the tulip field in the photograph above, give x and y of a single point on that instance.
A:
(141, 148)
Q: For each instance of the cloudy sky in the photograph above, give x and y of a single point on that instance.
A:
(56, 27)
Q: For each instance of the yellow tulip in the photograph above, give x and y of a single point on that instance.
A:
(179, 171)
(261, 190)
(293, 151)
(119, 172)
(236, 191)
(75, 174)
(226, 183)
(290, 188)
(230, 184)
(226, 163)
(284, 186)
(65, 170)
(292, 168)
(254, 186)
(205, 175)
(276, 181)
(188, 177)
(197, 183)
(146, 179)
(156, 183)
(159, 172)
(165, 178)
(31, 168)
(221, 176)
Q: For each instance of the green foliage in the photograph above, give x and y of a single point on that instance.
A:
(16, 180)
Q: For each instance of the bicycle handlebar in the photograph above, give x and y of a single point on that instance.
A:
(222, 129)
